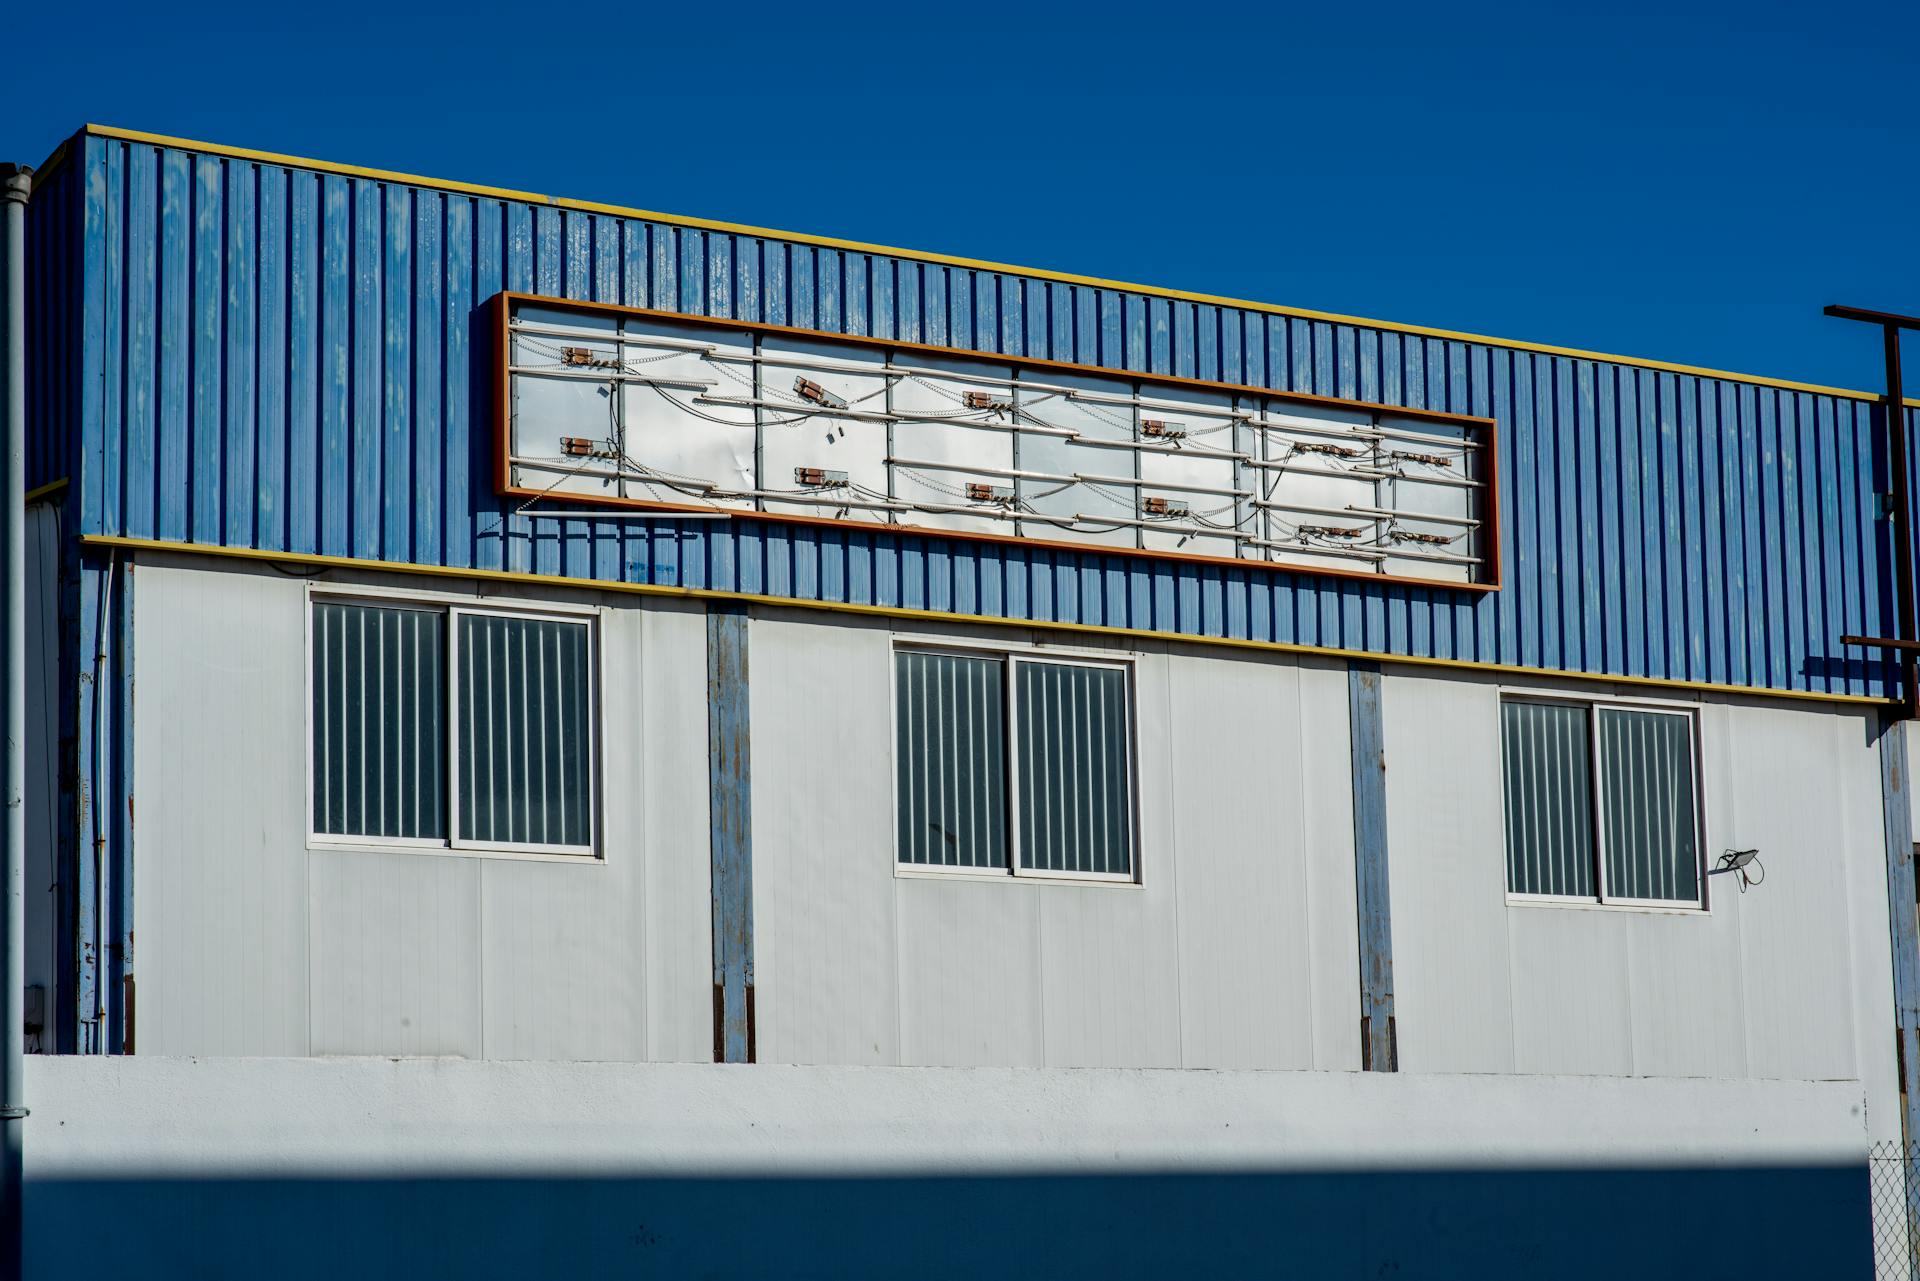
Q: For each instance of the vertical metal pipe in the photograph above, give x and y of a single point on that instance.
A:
(13, 692)
(1902, 519)
(1896, 784)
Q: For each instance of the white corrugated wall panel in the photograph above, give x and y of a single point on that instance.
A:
(1685, 998)
(825, 959)
(1794, 961)
(1689, 984)
(1862, 829)
(674, 832)
(1212, 960)
(250, 943)
(1789, 980)
(969, 973)
(396, 965)
(1109, 969)
(1242, 804)
(1453, 995)
(220, 867)
(1109, 954)
(1327, 832)
(1572, 1004)
(612, 959)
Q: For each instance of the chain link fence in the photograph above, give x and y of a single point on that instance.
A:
(1893, 1171)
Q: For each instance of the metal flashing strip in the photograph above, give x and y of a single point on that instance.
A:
(949, 260)
(1379, 1041)
(322, 561)
(42, 493)
(1896, 784)
(730, 794)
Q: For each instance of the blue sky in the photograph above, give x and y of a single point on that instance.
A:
(1689, 182)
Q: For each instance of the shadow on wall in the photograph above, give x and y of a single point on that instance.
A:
(1696, 1223)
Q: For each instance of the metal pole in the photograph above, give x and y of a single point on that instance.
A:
(18, 188)
(1900, 499)
(1902, 519)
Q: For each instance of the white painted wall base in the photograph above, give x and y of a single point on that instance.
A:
(378, 1167)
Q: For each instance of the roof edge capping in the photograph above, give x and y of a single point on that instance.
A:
(951, 260)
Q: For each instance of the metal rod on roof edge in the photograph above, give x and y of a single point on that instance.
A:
(18, 188)
(1891, 325)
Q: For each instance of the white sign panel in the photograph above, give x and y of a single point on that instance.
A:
(614, 406)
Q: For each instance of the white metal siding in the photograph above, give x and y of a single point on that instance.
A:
(1452, 968)
(220, 863)
(250, 943)
(1794, 963)
(1788, 981)
(618, 964)
(826, 967)
(395, 965)
(1247, 976)
(1237, 947)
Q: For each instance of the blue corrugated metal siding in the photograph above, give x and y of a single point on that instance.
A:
(292, 360)
(63, 383)
(54, 288)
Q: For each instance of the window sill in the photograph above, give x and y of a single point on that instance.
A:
(445, 851)
(910, 872)
(1594, 905)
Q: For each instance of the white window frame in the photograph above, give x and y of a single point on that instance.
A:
(1596, 794)
(451, 606)
(1010, 656)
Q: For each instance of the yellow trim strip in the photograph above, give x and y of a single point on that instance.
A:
(52, 163)
(45, 491)
(977, 264)
(927, 615)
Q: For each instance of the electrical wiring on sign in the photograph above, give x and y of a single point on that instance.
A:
(1259, 479)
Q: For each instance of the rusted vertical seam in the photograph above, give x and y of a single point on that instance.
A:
(1378, 1035)
(729, 760)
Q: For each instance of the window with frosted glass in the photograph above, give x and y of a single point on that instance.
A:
(952, 790)
(1013, 764)
(448, 726)
(523, 748)
(1648, 816)
(1549, 775)
(1076, 808)
(379, 742)
(1601, 803)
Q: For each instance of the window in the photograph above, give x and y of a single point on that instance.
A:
(1013, 764)
(1602, 803)
(447, 726)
